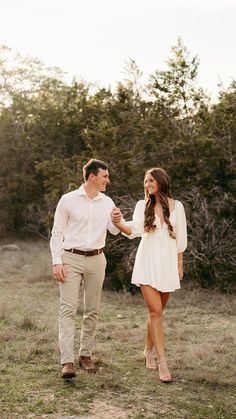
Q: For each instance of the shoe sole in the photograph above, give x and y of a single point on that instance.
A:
(92, 370)
(165, 381)
(68, 375)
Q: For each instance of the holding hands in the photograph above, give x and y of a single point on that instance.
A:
(116, 215)
(118, 221)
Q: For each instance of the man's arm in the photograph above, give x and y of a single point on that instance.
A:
(57, 238)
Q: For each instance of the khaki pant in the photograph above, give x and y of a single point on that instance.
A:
(92, 270)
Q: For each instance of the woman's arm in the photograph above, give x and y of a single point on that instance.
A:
(116, 217)
(125, 229)
(181, 236)
(181, 264)
(134, 228)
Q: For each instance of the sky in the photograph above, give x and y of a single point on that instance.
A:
(94, 39)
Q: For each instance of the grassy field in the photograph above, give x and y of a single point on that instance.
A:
(200, 331)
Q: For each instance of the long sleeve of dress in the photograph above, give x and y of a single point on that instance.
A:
(137, 223)
(181, 230)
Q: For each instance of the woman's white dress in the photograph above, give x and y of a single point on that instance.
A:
(156, 262)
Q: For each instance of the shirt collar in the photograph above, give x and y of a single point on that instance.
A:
(82, 191)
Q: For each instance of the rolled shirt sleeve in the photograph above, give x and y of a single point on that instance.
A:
(181, 231)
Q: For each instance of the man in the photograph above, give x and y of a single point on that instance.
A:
(82, 219)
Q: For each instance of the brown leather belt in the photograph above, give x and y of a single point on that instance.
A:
(86, 252)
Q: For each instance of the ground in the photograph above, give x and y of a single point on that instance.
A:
(200, 332)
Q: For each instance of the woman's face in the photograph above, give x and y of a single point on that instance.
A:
(150, 184)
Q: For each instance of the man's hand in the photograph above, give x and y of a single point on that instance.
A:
(59, 273)
(116, 215)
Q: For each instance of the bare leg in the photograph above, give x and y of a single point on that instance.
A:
(155, 307)
(149, 343)
(149, 350)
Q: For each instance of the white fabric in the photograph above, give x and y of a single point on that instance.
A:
(156, 262)
(81, 223)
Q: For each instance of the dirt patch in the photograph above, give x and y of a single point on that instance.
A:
(106, 411)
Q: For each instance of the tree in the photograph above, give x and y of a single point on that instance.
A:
(49, 129)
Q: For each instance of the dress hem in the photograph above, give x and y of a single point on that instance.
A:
(158, 289)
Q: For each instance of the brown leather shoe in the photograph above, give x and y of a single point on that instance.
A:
(87, 364)
(68, 370)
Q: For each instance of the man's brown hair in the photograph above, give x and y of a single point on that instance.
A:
(93, 166)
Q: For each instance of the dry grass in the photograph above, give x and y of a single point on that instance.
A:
(200, 336)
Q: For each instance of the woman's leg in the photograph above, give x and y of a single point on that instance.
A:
(149, 343)
(149, 350)
(154, 303)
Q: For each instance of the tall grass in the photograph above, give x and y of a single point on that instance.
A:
(200, 337)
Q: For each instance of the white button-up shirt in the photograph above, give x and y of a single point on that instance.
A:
(81, 223)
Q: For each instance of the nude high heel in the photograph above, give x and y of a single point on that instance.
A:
(166, 378)
(149, 360)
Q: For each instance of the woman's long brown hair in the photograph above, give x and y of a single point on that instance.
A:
(163, 183)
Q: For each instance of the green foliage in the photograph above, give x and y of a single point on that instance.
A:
(49, 129)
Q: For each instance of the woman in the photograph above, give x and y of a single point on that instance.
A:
(158, 269)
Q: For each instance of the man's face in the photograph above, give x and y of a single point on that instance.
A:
(101, 180)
